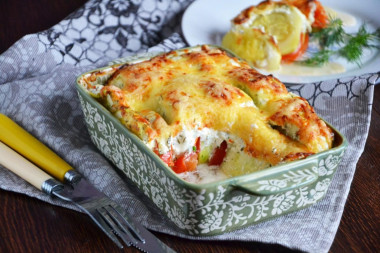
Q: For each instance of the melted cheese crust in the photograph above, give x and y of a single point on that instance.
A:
(189, 91)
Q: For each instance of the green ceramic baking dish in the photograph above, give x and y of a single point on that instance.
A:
(212, 208)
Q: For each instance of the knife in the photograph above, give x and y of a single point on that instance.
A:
(109, 216)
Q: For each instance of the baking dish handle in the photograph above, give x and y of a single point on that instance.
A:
(280, 182)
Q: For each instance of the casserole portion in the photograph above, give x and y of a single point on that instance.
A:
(268, 33)
(210, 116)
(273, 33)
(283, 21)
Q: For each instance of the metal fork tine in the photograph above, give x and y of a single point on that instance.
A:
(104, 226)
(110, 217)
(116, 225)
(117, 211)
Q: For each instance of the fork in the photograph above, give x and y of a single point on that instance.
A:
(106, 213)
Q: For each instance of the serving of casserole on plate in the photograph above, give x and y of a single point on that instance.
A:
(212, 142)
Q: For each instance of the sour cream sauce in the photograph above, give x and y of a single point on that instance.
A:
(295, 69)
(204, 174)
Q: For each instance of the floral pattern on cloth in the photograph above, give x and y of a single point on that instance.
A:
(37, 77)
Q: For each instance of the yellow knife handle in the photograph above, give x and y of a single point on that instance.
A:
(24, 143)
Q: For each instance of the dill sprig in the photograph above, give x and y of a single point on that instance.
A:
(319, 58)
(333, 40)
(353, 50)
(332, 34)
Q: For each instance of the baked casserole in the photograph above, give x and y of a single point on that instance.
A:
(210, 116)
(212, 208)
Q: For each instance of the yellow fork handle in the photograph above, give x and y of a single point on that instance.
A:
(24, 143)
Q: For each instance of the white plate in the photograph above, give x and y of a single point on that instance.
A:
(206, 22)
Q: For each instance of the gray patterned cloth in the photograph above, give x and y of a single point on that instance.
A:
(37, 77)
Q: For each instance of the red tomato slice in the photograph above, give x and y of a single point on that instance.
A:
(198, 145)
(304, 42)
(186, 162)
(321, 18)
(168, 158)
(219, 154)
(189, 160)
